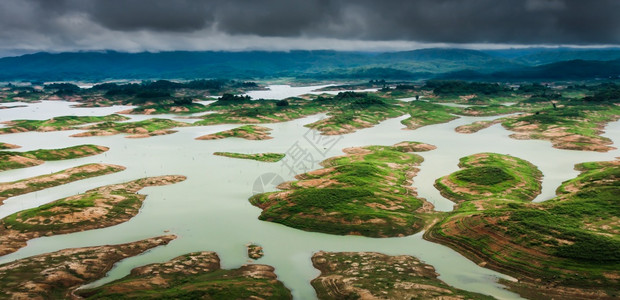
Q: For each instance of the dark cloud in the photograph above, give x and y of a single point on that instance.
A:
(222, 24)
(164, 15)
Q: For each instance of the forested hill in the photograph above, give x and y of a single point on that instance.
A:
(534, 63)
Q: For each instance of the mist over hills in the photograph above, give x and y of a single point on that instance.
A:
(504, 64)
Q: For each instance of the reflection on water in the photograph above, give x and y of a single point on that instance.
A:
(210, 211)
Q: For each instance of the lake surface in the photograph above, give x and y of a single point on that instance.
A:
(210, 210)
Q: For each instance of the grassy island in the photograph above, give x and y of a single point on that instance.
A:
(265, 157)
(97, 208)
(570, 125)
(193, 276)
(139, 129)
(365, 192)
(485, 177)
(422, 113)
(57, 123)
(566, 247)
(353, 111)
(371, 275)
(56, 275)
(248, 132)
(14, 160)
(15, 188)
(347, 111)
(168, 108)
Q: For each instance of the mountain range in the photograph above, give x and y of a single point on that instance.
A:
(503, 64)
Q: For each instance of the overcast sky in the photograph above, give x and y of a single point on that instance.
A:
(158, 25)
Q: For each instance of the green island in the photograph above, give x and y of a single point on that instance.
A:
(486, 178)
(352, 111)
(139, 129)
(14, 160)
(28, 185)
(56, 123)
(568, 123)
(97, 208)
(234, 109)
(248, 132)
(195, 275)
(371, 275)
(346, 111)
(58, 274)
(422, 113)
(566, 247)
(265, 157)
(365, 192)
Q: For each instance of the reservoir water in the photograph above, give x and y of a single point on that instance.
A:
(210, 210)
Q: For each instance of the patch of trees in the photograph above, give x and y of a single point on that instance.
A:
(130, 89)
(460, 88)
(282, 103)
(232, 97)
(349, 95)
(534, 88)
(62, 86)
(606, 93)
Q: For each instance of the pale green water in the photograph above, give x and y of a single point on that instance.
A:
(210, 211)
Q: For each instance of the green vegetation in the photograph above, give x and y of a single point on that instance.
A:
(347, 111)
(97, 208)
(351, 111)
(260, 111)
(365, 192)
(145, 128)
(462, 88)
(565, 246)
(249, 132)
(14, 160)
(351, 275)
(28, 185)
(422, 113)
(575, 125)
(491, 176)
(172, 106)
(492, 110)
(57, 123)
(193, 276)
(266, 157)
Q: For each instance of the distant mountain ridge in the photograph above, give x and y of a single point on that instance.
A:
(535, 63)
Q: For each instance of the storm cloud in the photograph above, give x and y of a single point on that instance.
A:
(137, 25)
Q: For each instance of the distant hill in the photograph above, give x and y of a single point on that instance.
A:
(417, 64)
(568, 70)
(565, 70)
